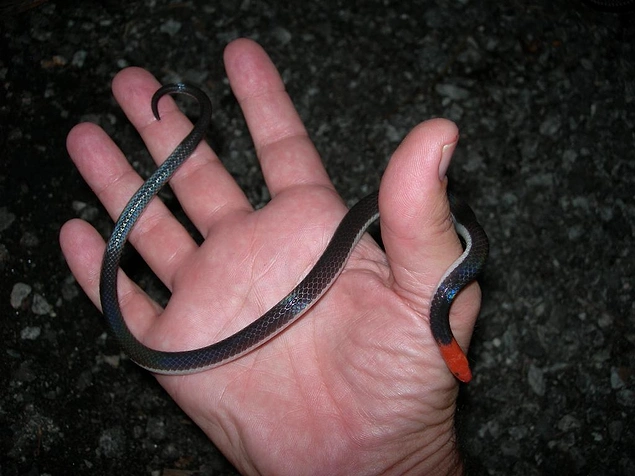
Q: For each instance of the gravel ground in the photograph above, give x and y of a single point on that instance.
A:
(545, 100)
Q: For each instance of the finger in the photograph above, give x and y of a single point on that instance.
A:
(83, 249)
(417, 229)
(158, 236)
(287, 155)
(204, 188)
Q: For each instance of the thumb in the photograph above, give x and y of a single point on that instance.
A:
(417, 228)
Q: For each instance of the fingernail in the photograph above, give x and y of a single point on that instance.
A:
(446, 156)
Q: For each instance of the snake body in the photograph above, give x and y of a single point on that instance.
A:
(317, 282)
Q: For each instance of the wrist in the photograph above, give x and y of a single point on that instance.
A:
(446, 462)
(436, 453)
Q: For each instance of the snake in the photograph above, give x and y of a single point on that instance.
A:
(310, 289)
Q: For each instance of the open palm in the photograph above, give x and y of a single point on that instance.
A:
(357, 385)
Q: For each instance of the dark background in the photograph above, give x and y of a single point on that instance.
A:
(544, 95)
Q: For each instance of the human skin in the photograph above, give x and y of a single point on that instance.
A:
(357, 385)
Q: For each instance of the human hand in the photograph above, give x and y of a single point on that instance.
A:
(357, 385)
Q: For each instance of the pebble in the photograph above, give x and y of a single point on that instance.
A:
(19, 293)
(30, 333)
(40, 305)
(6, 218)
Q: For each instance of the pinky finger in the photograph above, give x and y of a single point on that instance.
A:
(83, 249)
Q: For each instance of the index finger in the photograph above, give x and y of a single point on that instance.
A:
(287, 155)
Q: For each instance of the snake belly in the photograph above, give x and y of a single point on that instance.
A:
(303, 296)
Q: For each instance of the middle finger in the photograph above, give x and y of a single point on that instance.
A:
(204, 188)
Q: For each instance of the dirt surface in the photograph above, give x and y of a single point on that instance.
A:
(545, 100)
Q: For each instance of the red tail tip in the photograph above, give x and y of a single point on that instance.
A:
(456, 361)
